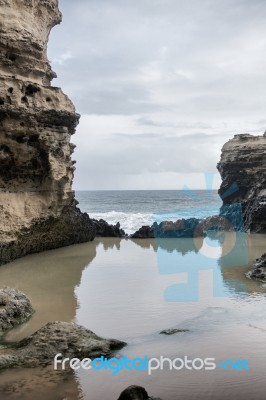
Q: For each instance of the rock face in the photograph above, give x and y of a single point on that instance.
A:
(243, 171)
(15, 308)
(69, 339)
(37, 205)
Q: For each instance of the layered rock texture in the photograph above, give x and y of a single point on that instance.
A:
(243, 171)
(37, 205)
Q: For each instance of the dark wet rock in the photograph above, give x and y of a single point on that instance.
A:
(182, 228)
(69, 339)
(230, 219)
(173, 331)
(135, 392)
(49, 233)
(103, 229)
(243, 189)
(213, 224)
(185, 228)
(259, 272)
(145, 232)
(15, 308)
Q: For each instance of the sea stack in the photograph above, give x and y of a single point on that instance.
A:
(243, 171)
(37, 203)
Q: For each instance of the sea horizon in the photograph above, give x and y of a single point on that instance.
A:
(135, 208)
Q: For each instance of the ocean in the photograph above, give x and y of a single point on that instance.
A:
(134, 208)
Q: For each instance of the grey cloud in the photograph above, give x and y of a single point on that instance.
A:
(112, 41)
(137, 136)
(173, 68)
(145, 120)
(154, 153)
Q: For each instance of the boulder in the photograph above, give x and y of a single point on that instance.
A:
(67, 338)
(15, 308)
(259, 272)
(135, 392)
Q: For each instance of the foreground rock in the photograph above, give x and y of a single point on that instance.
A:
(37, 205)
(103, 229)
(259, 272)
(71, 340)
(15, 308)
(135, 392)
(243, 172)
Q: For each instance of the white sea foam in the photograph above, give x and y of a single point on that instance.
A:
(131, 222)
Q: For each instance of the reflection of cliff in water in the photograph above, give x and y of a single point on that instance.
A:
(110, 243)
(180, 245)
(49, 280)
(246, 248)
(236, 253)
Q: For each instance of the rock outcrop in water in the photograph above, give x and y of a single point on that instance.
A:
(37, 205)
(103, 229)
(135, 392)
(15, 308)
(66, 338)
(259, 272)
(182, 228)
(243, 172)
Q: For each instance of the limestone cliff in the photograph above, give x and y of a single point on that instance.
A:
(243, 171)
(37, 205)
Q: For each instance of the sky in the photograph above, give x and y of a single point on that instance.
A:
(160, 85)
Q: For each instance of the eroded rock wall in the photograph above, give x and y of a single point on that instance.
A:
(243, 172)
(37, 205)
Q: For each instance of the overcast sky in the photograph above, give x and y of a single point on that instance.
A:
(160, 85)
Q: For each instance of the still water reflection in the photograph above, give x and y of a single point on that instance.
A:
(120, 288)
